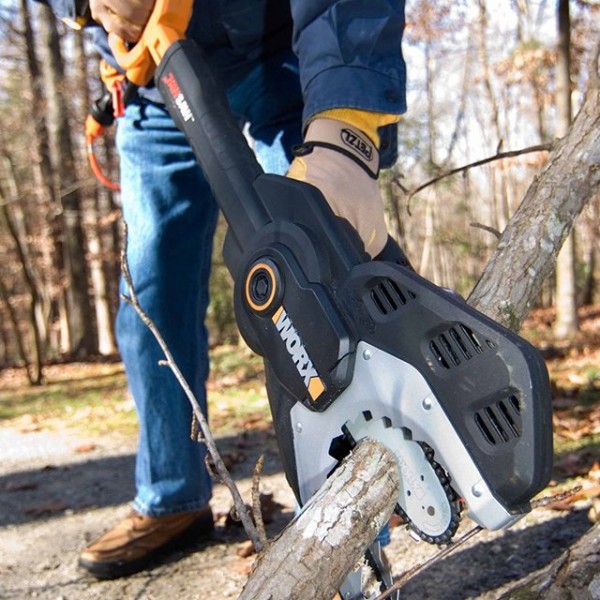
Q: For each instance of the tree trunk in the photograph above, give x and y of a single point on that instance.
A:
(18, 337)
(313, 555)
(104, 321)
(431, 130)
(81, 325)
(387, 181)
(567, 321)
(532, 239)
(497, 177)
(42, 168)
(42, 146)
(588, 295)
(483, 55)
(32, 284)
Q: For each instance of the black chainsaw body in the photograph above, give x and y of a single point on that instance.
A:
(306, 296)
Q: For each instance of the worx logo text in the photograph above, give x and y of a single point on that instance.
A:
(298, 353)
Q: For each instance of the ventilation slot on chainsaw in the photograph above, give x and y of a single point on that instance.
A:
(388, 297)
(501, 422)
(455, 345)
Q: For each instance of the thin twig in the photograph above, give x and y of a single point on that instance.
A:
(546, 500)
(256, 506)
(77, 185)
(487, 228)
(208, 437)
(479, 163)
(195, 430)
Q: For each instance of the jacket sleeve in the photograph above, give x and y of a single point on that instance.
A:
(62, 9)
(350, 54)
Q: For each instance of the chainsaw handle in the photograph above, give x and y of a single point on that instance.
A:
(167, 23)
(197, 101)
(183, 75)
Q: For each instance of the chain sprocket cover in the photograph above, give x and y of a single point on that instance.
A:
(425, 498)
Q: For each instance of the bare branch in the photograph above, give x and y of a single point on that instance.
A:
(546, 500)
(312, 557)
(487, 228)
(256, 505)
(209, 440)
(498, 156)
(546, 215)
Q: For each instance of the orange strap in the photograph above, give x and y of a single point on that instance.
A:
(94, 130)
(97, 170)
(167, 23)
(114, 81)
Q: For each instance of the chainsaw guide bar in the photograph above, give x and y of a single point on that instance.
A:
(426, 500)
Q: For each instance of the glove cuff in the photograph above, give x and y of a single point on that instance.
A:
(342, 138)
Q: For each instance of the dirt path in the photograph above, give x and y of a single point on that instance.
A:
(58, 491)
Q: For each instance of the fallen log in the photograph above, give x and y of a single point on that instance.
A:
(574, 574)
(313, 555)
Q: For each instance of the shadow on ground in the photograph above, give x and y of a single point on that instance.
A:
(489, 565)
(55, 487)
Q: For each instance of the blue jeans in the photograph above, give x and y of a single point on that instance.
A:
(171, 217)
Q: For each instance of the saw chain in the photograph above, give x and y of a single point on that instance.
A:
(426, 501)
(453, 502)
(435, 515)
(392, 592)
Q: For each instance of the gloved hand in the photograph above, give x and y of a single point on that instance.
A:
(126, 18)
(343, 164)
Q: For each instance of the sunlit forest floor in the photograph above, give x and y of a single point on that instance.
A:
(92, 398)
(66, 473)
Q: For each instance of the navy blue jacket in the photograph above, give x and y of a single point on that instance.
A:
(348, 50)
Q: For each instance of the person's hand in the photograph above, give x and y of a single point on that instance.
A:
(125, 18)
(343, 164)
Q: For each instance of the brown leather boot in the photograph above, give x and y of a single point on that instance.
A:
(130, 546)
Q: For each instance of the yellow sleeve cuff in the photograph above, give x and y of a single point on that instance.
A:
(367, 121)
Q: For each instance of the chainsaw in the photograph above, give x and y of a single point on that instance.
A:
(357, 348)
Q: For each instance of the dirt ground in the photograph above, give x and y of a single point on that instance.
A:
(58, 491)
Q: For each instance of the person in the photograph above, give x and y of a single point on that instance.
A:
(294, 71)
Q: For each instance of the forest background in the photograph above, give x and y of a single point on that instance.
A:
(485, 80)
(492, 86)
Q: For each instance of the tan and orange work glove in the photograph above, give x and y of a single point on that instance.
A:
(343, 163)
(125, 18)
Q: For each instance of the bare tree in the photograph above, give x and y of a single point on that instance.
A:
(567, 321)
(534, 236)
(79, 312)
(43, 173)
(104, 320)
(32, 282)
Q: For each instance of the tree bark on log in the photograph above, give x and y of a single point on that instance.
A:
(574, 574)
(313, 555)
